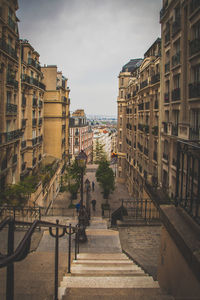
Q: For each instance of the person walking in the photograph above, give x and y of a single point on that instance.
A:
(93, 204)
(93, 186)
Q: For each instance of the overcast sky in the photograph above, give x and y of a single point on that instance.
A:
(90, 41)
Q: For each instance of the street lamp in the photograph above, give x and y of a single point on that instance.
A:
(87, 186)
(82, 217)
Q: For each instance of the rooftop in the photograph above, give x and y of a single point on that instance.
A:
(132, 65)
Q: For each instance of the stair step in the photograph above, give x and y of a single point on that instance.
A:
(105, 268)
(100, 256)
(108, 273)
(117, 294)
(109, 282)
(103, 261)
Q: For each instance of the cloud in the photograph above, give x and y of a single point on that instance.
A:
(90, 41)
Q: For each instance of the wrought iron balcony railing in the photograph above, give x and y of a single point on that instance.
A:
(155, 78)
(194, 133)
(12, 81)
(176, 94)
(8, 49)
(11, 108)
(34, 63)
(194, 90)
(33, 81)
(143, 84)
(12, 135)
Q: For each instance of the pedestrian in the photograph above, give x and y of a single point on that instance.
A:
(93, 204)
(78, 207)
(93, 186)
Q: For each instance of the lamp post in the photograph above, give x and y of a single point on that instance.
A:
(82, 217)
(87, 185)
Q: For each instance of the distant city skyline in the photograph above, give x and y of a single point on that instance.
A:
(90, 41)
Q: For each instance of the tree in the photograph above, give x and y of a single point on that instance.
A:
(72, 179)
(99, 153)
(105, 177)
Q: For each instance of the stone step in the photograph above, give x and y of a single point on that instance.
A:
(104, 256)
(106, 273)
(106, 268)
(109, 282)
(103, 261)
(117, 294)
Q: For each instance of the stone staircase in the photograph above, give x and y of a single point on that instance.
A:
(103, 272)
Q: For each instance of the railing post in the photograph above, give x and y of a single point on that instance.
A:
(69, 249)
(10, 267)
(56, 262)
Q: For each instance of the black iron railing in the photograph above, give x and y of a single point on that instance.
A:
(11, 108)
(15, 255)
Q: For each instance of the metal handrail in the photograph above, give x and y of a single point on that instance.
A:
(23, 248)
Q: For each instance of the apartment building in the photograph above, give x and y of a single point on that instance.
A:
(138, 122)
(31, 116)
(10, 126)
(180, 98)
(81, 135)
(56, 113)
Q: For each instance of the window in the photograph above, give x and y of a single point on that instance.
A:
(33, 133)
(122, 94)
(175, 114)
(122, 81)
(8, 125)
(177, 81)
(195, 118)
(195, 74)
(9, 97)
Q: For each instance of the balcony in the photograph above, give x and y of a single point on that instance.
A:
(34, 141)
(166, 97)
(40, 122)
(176, 26)
(23, 167)
(163, 10)
(155, 130)
(194, 4)
(34, 122)
(12, 24)
(40, 104)
(146, 151)
(175, 130)
(194, 134)
(156, 104)
(33, 81)
(194, 46)
(23, 144)
(143, 84)
(23, 123)
(12, 81)
(155, 155)
(34, 161)
(141, 106)
(14, 159)
(23, 100)
(34, 63)
(176, 94)
(176, 59)
(8, 49)
(11, 109)
(167, 67)
(165, 156)
(12, 135)
(155, 78)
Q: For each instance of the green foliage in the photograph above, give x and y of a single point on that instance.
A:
(105, 177)
(99, 153)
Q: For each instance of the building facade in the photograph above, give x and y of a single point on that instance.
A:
(180, 100)
(56, 113)
(81, 135)
(10, 110)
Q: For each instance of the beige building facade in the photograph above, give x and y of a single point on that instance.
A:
(56, 113)
(10, 126)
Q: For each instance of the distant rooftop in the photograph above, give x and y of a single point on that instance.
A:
(132, 65)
